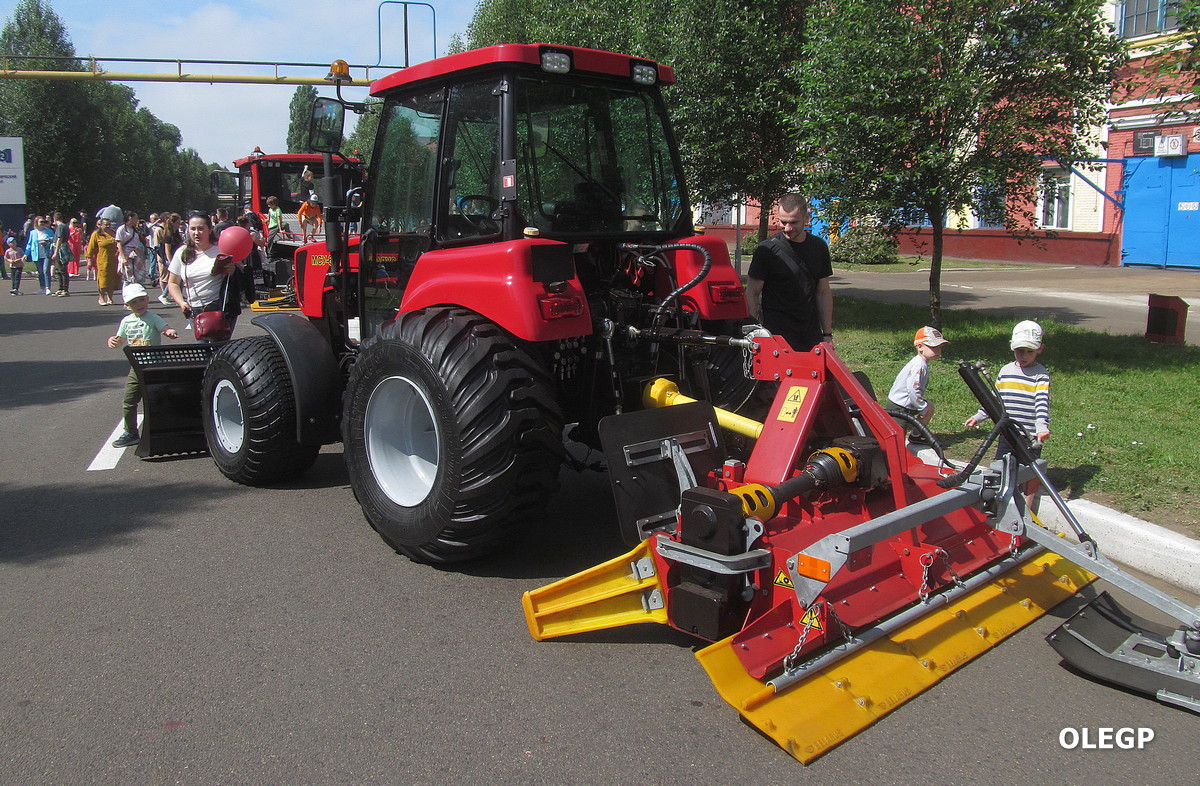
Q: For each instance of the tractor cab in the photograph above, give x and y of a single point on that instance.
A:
(490, 154)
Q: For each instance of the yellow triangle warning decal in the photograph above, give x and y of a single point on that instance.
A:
(784, 580)
(812, 619)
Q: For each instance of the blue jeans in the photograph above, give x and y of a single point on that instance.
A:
(45, 267)
(16, 279)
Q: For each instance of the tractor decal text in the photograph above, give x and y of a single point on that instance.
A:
(320, 260)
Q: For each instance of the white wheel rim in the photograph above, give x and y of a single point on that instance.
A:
(402, 441)
(229, 421)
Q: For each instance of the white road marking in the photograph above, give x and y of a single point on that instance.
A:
(108, 456)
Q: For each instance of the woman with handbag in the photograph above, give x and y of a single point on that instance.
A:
(200, 282)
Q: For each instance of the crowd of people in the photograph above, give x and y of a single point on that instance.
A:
(114, 248)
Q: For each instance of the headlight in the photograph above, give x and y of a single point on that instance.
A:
(556, 62)
(644, 74)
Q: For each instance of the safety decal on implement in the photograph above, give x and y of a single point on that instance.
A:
(791, 406)
(784, 580)
(812, 619)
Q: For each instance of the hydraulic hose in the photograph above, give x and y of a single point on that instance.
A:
(704, 269)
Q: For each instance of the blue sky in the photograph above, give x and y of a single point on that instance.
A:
(224, 122)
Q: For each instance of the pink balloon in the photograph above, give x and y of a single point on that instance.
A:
(236, 242)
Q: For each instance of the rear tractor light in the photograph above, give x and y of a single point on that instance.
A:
(725, 293)
(560, 306)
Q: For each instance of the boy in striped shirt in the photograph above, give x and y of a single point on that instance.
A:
(1024, 387)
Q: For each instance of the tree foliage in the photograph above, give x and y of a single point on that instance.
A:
(362, 139)
(929, 107)
(299, 112)
(87, 143)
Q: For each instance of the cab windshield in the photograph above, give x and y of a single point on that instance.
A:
(593, 159)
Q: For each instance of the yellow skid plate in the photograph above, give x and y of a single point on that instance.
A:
(622, 591)
(274, 304)
(844, 698)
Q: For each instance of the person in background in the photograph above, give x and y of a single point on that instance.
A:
(39, 248)
(4, 266)
(75, 241)
(141, 328)
(309, 216)
(102, 255)
(908, 391)
(62, 256)
(130, 250)
(201, 279)
(14, 260)
(151, 240)
(168, 242)
(787, 285)
(1024, 387)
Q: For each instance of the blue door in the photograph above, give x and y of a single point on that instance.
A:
(1162, 212)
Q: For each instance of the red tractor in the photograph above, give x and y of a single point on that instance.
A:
(527, 261)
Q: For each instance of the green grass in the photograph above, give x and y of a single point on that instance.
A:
(1123, 410)
(915, 264)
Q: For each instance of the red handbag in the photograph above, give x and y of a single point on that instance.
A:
(211, 326)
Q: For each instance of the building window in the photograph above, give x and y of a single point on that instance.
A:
(1144, 17)
(1055, 207)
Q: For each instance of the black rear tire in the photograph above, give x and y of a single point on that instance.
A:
(250, 414)
(452, 434)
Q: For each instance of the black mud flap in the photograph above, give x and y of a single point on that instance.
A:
(172, 412)
(645, 482)
(1111, 644)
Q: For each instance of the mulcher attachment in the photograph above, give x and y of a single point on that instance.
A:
(834, 575)
(172, 413)
(1108, 642)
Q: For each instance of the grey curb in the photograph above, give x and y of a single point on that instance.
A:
(1143, 546)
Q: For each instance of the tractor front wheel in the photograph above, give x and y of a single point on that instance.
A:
(250, 414)
(452, 434)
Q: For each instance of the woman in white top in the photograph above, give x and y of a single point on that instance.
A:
(198, 278)
(131, 251)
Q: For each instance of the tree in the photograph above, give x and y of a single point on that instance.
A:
(86, 142)
(300, 111)
(733, 104)
(929, 107)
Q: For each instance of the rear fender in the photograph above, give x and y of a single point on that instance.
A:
(316, 383)
(719, 295)
(508, 283)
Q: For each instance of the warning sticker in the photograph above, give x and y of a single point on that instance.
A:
(812, 619)
(784, 580)
(791, 406)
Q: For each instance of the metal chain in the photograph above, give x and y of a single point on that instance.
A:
(790, 659)
(926, 563)
(945, 555)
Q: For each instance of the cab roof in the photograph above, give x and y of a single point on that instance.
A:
(589, 61)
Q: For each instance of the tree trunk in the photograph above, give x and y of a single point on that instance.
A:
(935, 271)
(765, 204)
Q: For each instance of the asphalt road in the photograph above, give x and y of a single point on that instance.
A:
(162, 625)
(1104, 299)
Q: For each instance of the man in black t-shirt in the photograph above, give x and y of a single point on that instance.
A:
(788, 282)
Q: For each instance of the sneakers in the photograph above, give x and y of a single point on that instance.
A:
(917, 438)
(126, 439)
(14, 292)
(61, 293)
(47, 290)
(166, 301)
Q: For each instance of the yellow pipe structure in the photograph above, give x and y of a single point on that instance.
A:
(665, 393)
(208, 79)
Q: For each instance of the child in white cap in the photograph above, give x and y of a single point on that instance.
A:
(141, 328)
(908, 391)
(1024, 387)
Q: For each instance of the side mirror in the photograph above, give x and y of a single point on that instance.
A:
(325, 126)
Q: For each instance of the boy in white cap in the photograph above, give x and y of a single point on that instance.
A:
(1024, 387)
(141, 328)
(908, 391)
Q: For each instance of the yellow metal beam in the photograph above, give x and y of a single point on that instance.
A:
(208, 79)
